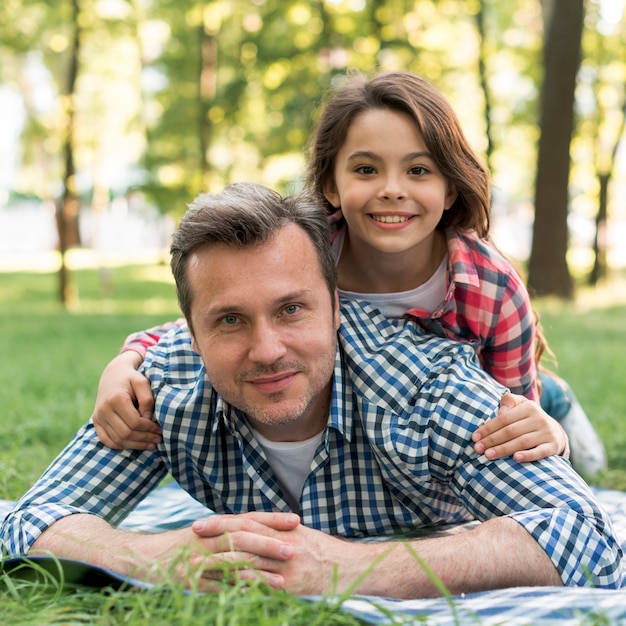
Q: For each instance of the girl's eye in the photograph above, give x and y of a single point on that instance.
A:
(365, 169)
(418, 170)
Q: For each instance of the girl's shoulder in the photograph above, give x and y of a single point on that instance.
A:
(473, 255)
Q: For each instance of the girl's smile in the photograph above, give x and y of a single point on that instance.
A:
(392, 220)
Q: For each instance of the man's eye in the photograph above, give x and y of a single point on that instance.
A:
(230, 320)
(291, 309)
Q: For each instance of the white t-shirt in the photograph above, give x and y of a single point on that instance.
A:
(291, 462)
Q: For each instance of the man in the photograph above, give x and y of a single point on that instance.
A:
(274, 402)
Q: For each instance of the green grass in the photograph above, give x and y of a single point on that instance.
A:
(589, 340)
(53, 359)
(49, 371)
(237, 604)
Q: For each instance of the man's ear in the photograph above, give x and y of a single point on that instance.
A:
(194, 344)
(331, 194)
(337, 310)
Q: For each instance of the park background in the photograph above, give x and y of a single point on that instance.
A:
(114, 114)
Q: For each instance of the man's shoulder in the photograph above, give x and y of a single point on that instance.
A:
(366, 329)
(174, 357)
(396, 355)
(419, 378)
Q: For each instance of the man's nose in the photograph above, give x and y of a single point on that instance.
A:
(266, 343)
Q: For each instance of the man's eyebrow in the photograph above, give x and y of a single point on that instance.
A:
(235, 308)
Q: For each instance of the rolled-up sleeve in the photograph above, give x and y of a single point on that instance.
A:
(581, 545)
(555, 506)
(87, 477)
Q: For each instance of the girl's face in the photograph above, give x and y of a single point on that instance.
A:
(387, 185)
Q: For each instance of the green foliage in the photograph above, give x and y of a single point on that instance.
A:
(199, 93)
(178, 97)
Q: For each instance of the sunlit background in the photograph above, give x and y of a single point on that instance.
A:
(142, 151)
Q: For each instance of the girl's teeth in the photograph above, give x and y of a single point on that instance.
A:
(390, 219)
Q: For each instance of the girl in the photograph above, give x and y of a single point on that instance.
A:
(410, 202)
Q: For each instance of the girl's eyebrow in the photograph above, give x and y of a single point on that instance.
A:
(365, 154)
(418, 155)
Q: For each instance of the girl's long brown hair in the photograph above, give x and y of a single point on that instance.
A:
(439, 126)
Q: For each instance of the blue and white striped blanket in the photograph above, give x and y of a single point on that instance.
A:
(516, 606)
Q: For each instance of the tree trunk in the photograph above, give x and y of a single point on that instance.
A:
(598, 271)
(484, 83)
(207, 89)
(548, 270)
(68, 206)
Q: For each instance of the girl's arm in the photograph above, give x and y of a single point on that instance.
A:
(124, 404)
(144, 339)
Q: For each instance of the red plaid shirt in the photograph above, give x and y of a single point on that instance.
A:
(486, 305)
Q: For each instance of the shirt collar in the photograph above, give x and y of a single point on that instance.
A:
(462, 267)
(341, 401)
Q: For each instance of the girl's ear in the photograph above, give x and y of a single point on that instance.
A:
(331, 194)
(451, 195)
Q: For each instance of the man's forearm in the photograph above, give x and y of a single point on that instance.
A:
(89, 538)
(496, 554)
(180, 554)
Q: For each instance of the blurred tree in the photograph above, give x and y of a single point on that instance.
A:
(24, 34)
(67, 207)
(604, 170)
(483, 53)
(181, 96)
(603, 98)
(75, 128)
(548, 270)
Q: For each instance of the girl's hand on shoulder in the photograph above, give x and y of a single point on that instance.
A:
(124, 405)
(523, 430)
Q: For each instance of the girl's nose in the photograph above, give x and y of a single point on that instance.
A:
(392, 189)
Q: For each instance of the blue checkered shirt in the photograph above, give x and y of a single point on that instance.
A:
(396, 455)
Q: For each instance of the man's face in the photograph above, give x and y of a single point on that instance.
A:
(265, 326)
